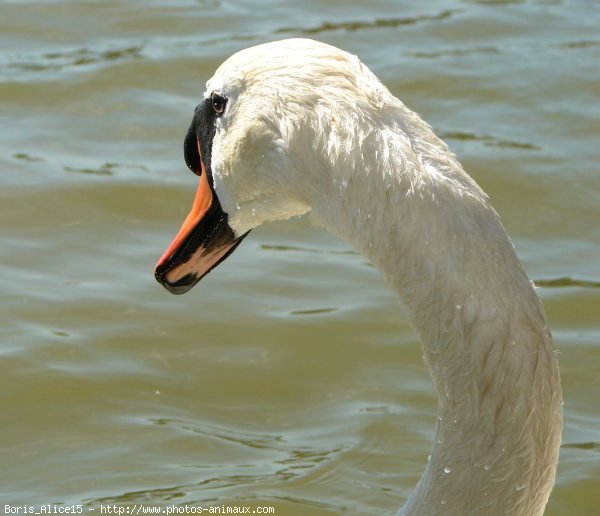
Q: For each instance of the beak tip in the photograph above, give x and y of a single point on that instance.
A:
(181, 286)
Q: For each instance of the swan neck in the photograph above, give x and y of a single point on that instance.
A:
(431, 232)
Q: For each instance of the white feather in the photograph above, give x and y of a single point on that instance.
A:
(308, 127)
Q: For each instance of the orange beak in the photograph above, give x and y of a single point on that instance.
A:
(203, 241)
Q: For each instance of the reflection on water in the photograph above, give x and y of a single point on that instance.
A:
(291, 376)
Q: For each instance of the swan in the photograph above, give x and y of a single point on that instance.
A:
(296, 126)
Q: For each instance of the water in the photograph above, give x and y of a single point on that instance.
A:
(290, 377)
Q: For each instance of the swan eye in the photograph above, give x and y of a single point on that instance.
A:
(218, 103)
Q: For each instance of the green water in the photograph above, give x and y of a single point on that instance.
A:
(290, 376)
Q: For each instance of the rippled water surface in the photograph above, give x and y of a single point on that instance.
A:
(289, 377)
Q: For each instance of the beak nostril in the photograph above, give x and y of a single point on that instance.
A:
(190, 151)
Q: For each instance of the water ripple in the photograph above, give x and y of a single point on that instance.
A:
(378, 23)
(56, 61)
(163, 494)
(590, 43)
(567, 282)
(591, 445)
(256, 441)
(106, 169)
(302, 249)
(314, 311)
(456, 52)
(488, 140)
(27, 157)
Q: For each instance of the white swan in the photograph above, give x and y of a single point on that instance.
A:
(295, 126)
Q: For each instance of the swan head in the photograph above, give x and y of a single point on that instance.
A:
(274, 121)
